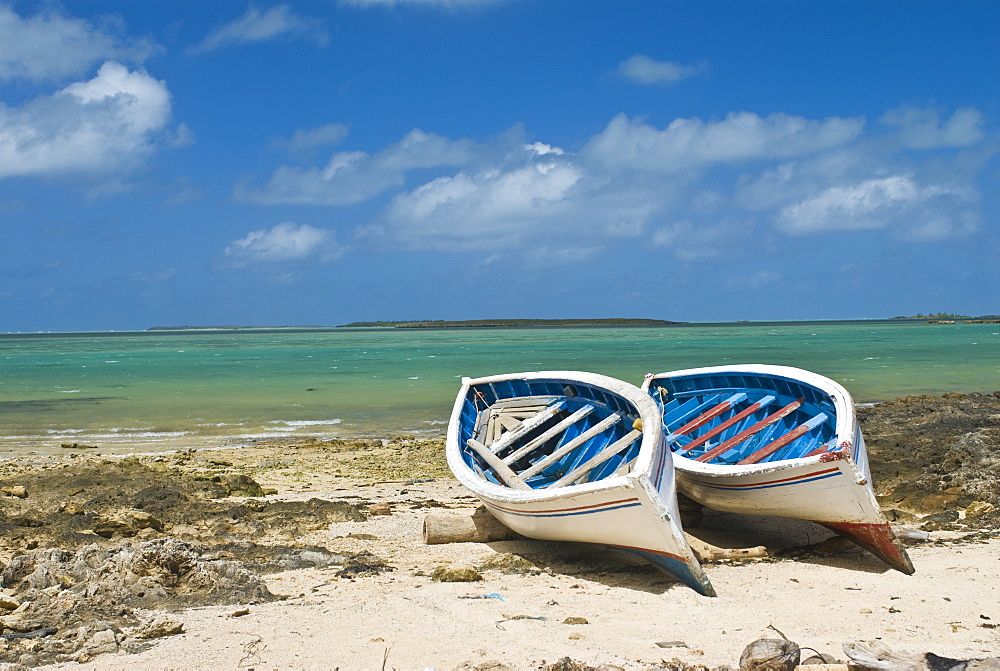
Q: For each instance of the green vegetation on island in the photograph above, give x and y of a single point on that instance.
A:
(509, 323)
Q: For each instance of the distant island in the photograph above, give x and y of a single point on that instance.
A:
(949, 318)
(508, 323)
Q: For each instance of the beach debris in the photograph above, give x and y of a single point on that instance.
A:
(911, 535)
(77, 446)
(575, 620)
(240, 613)
(706, 552)
(877, 655)
(456, 574)
(671, 644)
(512, 618)
(477, 526)
(493, 595)
(771, 654)
(362, 565)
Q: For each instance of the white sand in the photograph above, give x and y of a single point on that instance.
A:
(404, 620)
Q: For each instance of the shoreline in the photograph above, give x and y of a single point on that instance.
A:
(345, 503)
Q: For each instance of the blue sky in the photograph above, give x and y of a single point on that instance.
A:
(173, 162)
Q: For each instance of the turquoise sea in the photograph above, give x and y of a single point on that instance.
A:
(152, 390)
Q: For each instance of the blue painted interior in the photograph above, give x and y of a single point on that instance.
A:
(682, 399)
(575, 395)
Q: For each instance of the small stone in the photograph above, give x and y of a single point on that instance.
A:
(574, 637)
(240, 613)
(821, 658)
(576, 620)
(978, 508)
(8, 603)
(380, 509)
(671, 644)
(101, 643)
(16, 490)
(456, 574)
(938, 502)
(158, 628)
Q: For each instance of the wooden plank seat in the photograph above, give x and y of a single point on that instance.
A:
(726, 445)
(505, 440)
(706, 417)
(722, 426)
(571, 445)
(502, 470)
(601, 457)
(775, 445)
(548, 434)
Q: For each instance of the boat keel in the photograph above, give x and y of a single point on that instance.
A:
(677, 568)
(879, 539)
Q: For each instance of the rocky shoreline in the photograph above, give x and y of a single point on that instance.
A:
(104, 555)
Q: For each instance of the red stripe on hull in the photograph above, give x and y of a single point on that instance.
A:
(878, 539)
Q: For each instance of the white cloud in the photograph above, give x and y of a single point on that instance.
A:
(917, 212)
(355, 176)
(685, 144)
(640, 69)
(49, 46)
(108, 123)
(304, 140)
(258, 25)
(284, 243)
(923, 129)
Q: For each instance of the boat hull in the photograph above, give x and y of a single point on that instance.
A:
(634, 510)
(832, 488)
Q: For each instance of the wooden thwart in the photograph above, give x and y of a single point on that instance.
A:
(502, 470)
(743, 414)
(709, 415)
(611, 450)
(509, 438)
(743, 435)
(558, 454)
(548, 434)
(774, 446)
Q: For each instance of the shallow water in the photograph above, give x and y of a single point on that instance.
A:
(157, 389)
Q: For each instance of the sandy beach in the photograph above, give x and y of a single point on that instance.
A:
(364, 595)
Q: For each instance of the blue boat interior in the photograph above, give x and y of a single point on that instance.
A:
(733, 418)
(546, 433)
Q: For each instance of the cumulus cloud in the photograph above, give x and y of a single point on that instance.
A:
(284, 243)
(355, 176)
(257, 25)
(640, 69)
(110, 122)
(629, 144)
(919, 212)
(50, 47)
(923, 128)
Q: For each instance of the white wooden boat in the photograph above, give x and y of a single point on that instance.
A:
(576, 457)
(773, 440)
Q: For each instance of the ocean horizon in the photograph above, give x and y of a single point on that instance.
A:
(199, 387)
